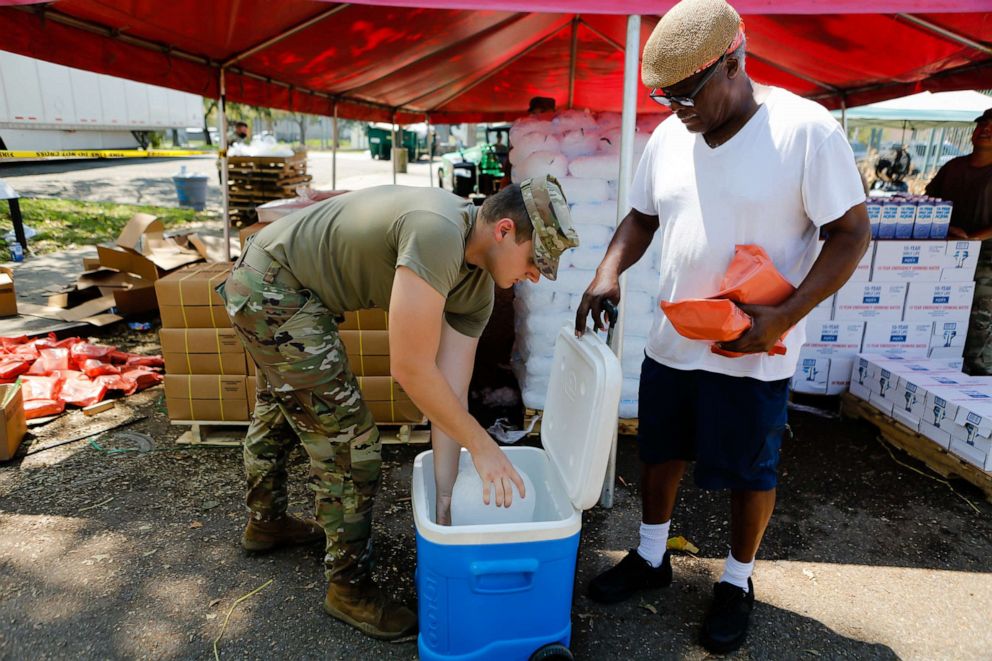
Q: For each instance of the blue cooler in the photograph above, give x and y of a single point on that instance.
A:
(505, 591)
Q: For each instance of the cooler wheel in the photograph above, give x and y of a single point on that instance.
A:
(552, 652)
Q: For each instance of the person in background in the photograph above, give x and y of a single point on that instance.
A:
(739, 163)
(239, 134)
(967, 182)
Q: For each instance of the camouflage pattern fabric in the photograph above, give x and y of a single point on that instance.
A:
(978, 347)
(306, 394)
(553, 232)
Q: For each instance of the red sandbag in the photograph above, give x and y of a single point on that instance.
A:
(50, 361)
(79, 390)
(751, 278)
(42, 387)
(142, 377)
(119, 357)
(93, 367)
(10, 342)
(51, 343)
(40, 408)
(117, 382)
(83, 351)
(134, 360)
(27, 352)
(11, 368)
(707, 319)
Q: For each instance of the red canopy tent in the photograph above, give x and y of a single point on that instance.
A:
(464, 60)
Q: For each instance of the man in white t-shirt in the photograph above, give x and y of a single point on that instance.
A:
(740, 163)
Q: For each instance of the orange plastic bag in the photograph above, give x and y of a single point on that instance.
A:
(750, 278)
(39, 408)
(50, 361)
(716, 320)
(79, 390)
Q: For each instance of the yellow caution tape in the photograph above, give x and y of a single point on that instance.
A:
(107, 153)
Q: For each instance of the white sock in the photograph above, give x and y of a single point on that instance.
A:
(736, 572)
(654, 541)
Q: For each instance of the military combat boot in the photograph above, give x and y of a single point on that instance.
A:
(287, 530)
(367, 608)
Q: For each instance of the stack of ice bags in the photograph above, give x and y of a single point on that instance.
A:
(582, 150)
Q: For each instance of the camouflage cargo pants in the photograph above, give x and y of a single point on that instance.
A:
(978, 348)
(306, 394)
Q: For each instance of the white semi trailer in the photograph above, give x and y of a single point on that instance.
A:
(49, 107)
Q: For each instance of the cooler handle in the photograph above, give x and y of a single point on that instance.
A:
(503, 576)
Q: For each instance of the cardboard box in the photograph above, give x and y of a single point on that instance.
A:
(971, 434)
(365, 320)
(829, 339)
(369, 365)
(948, 339)
(910, 339)
(206, 397)
(811, 375)
(13, 425)
(395, 412)
(860, 385)
(912, 389)
(368, 343)
(187, 298)
(939, 301)
(941, 408)
(202, 351)
(8, 298)
(382, 388)
(960, 261)
(143, 249)
(870, 300)
(908, 261)
(839, 375)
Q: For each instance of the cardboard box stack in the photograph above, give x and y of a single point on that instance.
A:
(933, 397)
(205, 363)
(209, 377)
(910, 298)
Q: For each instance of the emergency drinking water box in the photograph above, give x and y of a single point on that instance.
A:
(939, 301)
(504, 591)
(870, 300)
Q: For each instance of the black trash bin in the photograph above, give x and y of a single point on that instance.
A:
(463, 178)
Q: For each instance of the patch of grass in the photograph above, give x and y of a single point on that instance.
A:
(67, 224)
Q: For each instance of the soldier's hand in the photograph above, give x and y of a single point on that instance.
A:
(496, 470)
(604, 287)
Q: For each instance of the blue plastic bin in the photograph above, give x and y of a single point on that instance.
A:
(191, 190)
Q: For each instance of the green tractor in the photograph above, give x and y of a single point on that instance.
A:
(478, 169)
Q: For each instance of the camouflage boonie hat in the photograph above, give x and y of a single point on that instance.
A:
(553, 231)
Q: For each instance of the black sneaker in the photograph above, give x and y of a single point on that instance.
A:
(631, 574)
(725, 626)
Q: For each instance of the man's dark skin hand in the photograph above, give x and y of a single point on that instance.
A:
(847, 239)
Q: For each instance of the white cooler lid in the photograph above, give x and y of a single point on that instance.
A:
(580, 413)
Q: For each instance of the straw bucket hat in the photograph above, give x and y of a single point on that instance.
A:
(689, 38)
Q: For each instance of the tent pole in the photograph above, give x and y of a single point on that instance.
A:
(940, 147)
(926, 163)
(334, 148)
(571, 64)
(843, 115)
(430, 152)
(631, 76)
(222, 127)
(392, 155)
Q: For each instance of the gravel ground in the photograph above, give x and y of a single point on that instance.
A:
(134, 555)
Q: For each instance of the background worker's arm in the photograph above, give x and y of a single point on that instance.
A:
(629, 242)
(455, 359)
(845, 245)
(416, 316)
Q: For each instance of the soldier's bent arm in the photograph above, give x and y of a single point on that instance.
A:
(416, 316)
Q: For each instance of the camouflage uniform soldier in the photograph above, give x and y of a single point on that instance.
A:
(431, 259)
(967, 182)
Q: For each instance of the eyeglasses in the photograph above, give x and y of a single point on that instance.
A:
(688, 101)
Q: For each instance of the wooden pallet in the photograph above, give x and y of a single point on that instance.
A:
(625, 426)
(215, 433)
(916, 445)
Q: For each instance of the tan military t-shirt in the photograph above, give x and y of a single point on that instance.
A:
(346, 250)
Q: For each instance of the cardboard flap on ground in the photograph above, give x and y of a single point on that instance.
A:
(8, 298)
(98, 318)
(137, 227)
(143, 249)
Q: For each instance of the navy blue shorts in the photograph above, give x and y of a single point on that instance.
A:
(732, 427)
